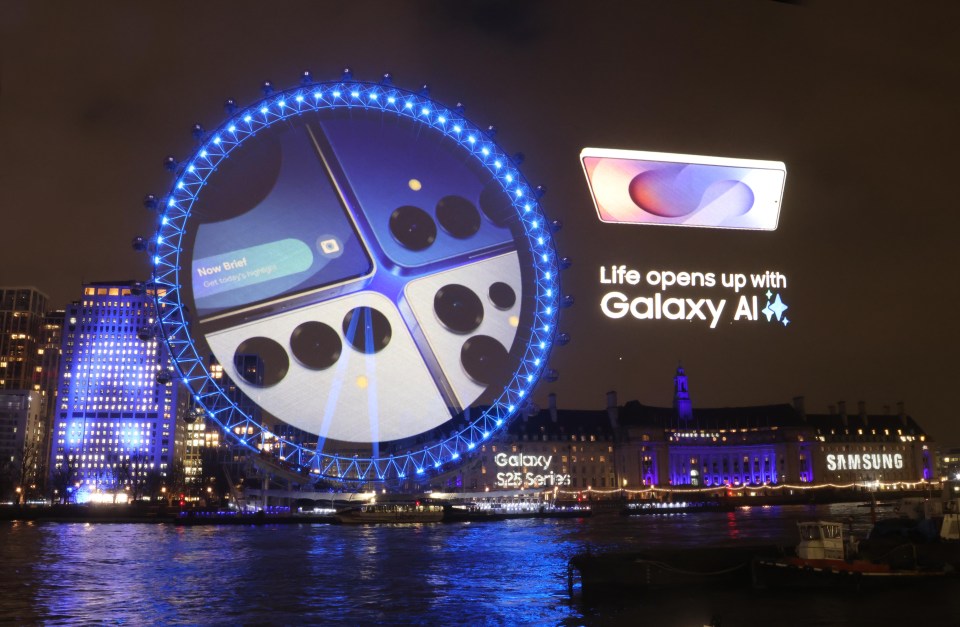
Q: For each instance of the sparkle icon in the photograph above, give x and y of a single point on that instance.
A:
(767, 311)
(778, 307)
(775, 309)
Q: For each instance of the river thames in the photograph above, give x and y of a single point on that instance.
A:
(496, 573)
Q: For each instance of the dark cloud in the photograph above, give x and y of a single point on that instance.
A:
(520, 23)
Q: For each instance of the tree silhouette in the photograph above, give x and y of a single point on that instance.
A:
(62, 481)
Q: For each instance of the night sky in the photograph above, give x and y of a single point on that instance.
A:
(859, 99)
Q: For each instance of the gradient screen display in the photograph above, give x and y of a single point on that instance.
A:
(637, 187)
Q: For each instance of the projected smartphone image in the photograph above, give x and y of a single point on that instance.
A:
(638, 187)
(363, 282)
(275, 231)
(424, 203)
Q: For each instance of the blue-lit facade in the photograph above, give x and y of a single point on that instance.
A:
(115, 424)
(766, 445)
(637, 447)
(732, 446)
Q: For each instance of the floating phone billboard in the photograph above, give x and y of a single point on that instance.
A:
(639, 187)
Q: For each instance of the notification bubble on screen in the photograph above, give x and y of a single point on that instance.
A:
(639, 187)
(249, 266)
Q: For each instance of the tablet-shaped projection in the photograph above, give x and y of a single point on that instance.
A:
(638, 187)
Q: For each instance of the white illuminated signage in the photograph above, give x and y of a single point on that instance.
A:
(523, 477)
(865, 461)
(756, 296)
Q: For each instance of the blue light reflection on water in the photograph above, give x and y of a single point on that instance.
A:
(502, 573)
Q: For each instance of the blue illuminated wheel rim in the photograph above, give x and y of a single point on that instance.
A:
(174, 321)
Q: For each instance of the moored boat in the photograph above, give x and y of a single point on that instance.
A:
(661, 508)
(616, 573)
(378, 513)
(484, 512)
(825, 558)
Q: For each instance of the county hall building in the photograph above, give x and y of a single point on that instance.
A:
(633, 446)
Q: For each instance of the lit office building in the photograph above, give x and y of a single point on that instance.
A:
(48, 358)
(204, 443)
(115, 424)
(21, 443)
(22, 374)
(21, 318)
(950, 464)
(201, 437)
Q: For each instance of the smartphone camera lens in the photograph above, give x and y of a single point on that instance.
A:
(316, 345)
(458, 308)
(502, 295)
(366, 329)
(261, 361)
(484, 359)
(458, 216)
(413, 227)
(496, 205)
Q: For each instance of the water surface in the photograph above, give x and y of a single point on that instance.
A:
(501, 573)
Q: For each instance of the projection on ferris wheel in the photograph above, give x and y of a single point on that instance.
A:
(356, 280)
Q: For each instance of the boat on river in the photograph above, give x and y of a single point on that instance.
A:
(379, 513)
(666, 508)
(826, 558)
(489, 512)
(611, 574)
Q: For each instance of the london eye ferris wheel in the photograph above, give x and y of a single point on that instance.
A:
(355, 280)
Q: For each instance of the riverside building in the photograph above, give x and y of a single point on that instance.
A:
(21, 443)
(22, 312)
(568, 449)
(115, 423)
(48, 358)
(636, 447)
(29, 361)
(950, 464)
